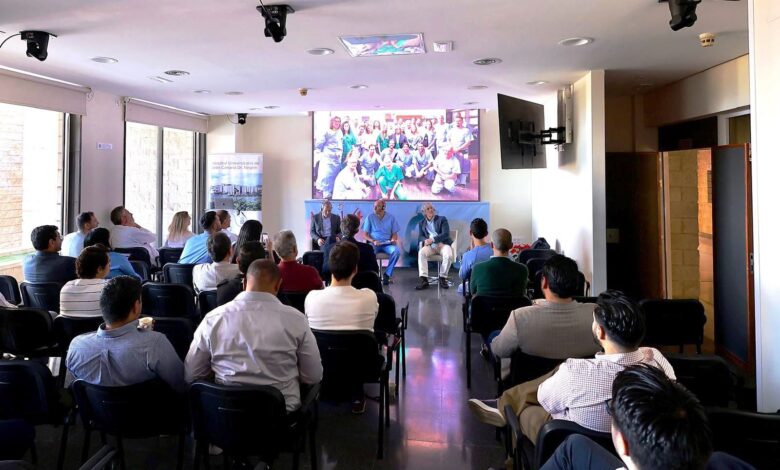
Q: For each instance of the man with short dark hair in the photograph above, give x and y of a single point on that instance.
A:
(224, 222)
(121, 353)
(128, 234)
(296, 277)
(46, 264)
(196, 249)
(499, 276)
(207, 276)
(276, 345)
(480, 250)
(228, 290)
(350, 225)
(73, 243)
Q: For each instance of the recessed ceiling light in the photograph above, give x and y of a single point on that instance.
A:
(177, 73)
(358, 87)
(536, 82)
(575, 41)
(234, 93)
(320, 51)
(104, 60)
(477, 87)
(378, 106)
(161, 79)
(271, 106)
(202, 92)
(487, 61)
(470, 103)
(255, 109)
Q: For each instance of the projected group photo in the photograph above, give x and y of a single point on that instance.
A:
(406, 155)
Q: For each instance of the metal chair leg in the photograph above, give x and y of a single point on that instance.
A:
(180, 453)
(381, 424)
(63, 446)
(468, 360)
(313, 445)
(85, 445)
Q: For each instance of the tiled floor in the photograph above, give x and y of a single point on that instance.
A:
(430, 424)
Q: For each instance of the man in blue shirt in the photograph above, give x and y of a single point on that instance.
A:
(480, 251)
(196, 250)
(46, 264)
(381, 230)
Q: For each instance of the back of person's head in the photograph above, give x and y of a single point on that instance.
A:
(98, 236)
(41, 236)
(478, 228)
(562, 276)
(350, 225)
(502, 240)
(180, 224)
(222, 215)
(263, 276)
(90, 260)
(250, 251)
(116, 215)
(207, 220)
(663, 423)
(218, 246)
(621, 317)
(285, 244)
(118, 298)
(84, 218)
(343, 260)
(251, 231)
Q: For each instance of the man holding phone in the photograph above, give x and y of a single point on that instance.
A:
(381, 231)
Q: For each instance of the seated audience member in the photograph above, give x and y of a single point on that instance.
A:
(128, 234)
(276, 345)
(350, 225)
(325, 226)
(120, 265)
(296, 277)
(251, 231)
(207, 276)
(121, 353)
(578, 389)
(433, 239)
(480, 251)
(224, 222)
(81, 297)
(381, 230)
(656, 424)
(179, 230)
(73, 243)
(195, 250)
(46, 264)
(229, 289)
(556, 327)
(499, 276)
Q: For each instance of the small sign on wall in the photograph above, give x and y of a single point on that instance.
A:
(104, 146)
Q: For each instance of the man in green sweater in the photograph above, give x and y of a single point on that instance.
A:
(499, 276)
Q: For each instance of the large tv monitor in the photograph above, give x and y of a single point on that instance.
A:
(411, 155)
(518, 122)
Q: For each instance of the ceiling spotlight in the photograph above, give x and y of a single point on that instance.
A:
(683, 13)
(477, 87)
(320, 51)
(575, 42)
(241, 118)
(358, 87)
(202, 92)
(275, 20)
(161, 79)
(487, 61)
(271, 106)
(177, 73)
(470, 103)
(37, 43)
(234, 93)
(104, 60)
(536, 82)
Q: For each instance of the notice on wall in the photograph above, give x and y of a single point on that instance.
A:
(235, 182)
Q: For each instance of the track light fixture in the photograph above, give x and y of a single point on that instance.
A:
(275, 20)
(37, 43)
(683, 13)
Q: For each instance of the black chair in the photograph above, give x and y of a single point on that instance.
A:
(529, 253)
(400, 358)
(10, 289)
(65, 329)
(136, 253)
(315, 259)
(169, 255)
(175, 273)
(524, 367)
(710, 378)
(386, 321)
(101, 460)
(42, 295)
(487, 314)
(367, 280)
(674, 322)
(17, 436)
(28, 392)
(753, 437)
(27, 332)
(294, 299)
(207, 301)
(348, 356)
(585, 300)
(142, 269)
(179, 332)
(168, 300)
(554, 432)
(534, 266)
(251, 421)
(143, 410)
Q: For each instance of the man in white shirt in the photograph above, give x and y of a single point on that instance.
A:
(128, 234)
(256, 340)
(224, 222)
(73, 243)
(207, 276)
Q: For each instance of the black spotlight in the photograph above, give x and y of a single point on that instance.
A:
(241, 118)
(683, 13)
(37, 43)
(275, 20)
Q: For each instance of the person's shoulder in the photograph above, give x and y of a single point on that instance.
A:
(82, 341)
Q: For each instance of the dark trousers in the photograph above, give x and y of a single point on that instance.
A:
(580, 453)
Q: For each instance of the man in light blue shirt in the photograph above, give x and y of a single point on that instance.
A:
(196, 249)
(480, 250)
(73, 243)
(381, 230)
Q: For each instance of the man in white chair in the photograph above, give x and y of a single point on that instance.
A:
(433, 239)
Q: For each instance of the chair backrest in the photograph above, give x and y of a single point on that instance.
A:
(534, 266)
(175, 273)
(25, 330)
(169, 255)
(368, 280)
(241, 420)
(27, 391)
(525, 367)
(529, 253)
(67, 328)
(753, 437)
(141, 268)
(167, 300)
(673, 321)
(709, 377)
(315, 259)
(10, 289)
(554, 432)
(585, 300)
(207, 301)
(294, 299)
(347, 356)
(385, 319)
(179, 332)
(491, 313)
(42, 295)
(136, 253)
(145, 409)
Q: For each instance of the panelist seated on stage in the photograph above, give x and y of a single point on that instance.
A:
(196, 249)
(433, 239)
(381, 230)
(480, 251)
(296, 277)
(499, 276)
(325, 226)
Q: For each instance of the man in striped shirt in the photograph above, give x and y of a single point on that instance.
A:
(81, 297)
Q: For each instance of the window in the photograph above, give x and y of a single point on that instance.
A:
(31, 179)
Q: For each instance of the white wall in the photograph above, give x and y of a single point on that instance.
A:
(568, 197)
(764, 27)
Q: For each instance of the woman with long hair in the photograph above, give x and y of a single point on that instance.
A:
(179, 230)
(348, 141)
(120, 265)
(251, 231)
